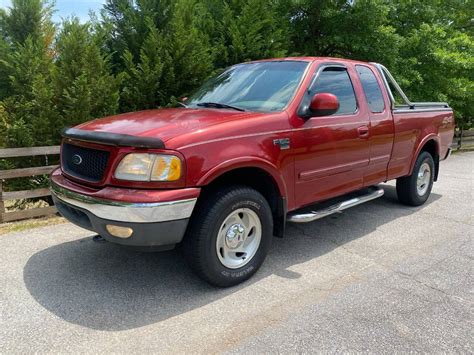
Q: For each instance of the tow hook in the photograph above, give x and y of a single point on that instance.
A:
(98, 239)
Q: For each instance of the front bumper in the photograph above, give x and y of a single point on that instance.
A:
(132, 212)
(156, 224)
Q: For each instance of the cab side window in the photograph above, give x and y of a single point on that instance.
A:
(336, 81)
(371, 87)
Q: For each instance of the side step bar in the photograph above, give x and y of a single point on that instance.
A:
(372, 193)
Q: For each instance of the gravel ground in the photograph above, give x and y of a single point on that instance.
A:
(379, 277)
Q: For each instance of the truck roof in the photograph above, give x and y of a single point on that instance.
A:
(311, 59)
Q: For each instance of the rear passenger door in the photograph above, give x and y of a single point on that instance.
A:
(332, 152)
(381, 125)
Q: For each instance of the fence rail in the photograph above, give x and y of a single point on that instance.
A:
(462, 139)
(25, 172)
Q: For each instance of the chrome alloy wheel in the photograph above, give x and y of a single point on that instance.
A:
(238, 238)
(423, 180)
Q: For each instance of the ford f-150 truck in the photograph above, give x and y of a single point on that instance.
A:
(262, 144)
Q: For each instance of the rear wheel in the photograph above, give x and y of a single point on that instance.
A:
(229, 236)
(415, 189)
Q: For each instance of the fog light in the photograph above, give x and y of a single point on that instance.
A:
(119, 232)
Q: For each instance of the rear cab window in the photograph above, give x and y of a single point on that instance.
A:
(371, 87)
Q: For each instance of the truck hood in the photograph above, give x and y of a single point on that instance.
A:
(164, 124)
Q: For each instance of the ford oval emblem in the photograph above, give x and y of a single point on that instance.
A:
(76, 159)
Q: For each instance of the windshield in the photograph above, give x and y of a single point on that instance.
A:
(261, 86)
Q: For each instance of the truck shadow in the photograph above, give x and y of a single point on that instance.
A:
(105, 287)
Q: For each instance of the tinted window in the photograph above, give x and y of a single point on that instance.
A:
(261, 86)
(336, 81)
(372, 91)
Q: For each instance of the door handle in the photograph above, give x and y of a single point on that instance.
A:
(363, 131)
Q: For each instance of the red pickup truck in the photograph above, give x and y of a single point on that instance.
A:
(261, 144)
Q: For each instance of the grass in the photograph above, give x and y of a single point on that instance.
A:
(17, 205)
(464, 149)
(19, 226)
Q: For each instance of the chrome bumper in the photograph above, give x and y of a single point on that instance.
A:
(126, 211)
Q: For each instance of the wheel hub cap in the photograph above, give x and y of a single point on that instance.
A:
(238, 238)
(423, 180)
(235, 236)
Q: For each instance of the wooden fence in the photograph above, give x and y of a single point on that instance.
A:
(463, 139)
(25, 172)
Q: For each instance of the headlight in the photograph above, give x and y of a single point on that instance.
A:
(149, 167)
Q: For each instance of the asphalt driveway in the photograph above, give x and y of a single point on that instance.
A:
(379, 277)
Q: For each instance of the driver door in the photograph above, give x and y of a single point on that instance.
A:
(333, 151)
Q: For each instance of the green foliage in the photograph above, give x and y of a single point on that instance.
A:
(428, 45)
(141, 80)
(189, 58)
(30, 111)
(255, 30)
(128, 23)
(50, 84)
(27, 18)
(84, 85)
(338, 29)
(141, 54)
(436, 61)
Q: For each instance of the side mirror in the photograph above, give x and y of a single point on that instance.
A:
(323, 104)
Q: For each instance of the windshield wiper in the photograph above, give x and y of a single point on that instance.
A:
(218, 105)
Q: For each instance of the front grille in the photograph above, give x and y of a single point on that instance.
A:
(84, 163)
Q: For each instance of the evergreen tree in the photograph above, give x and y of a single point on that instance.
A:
(128, 24)
(189, 59)
(141, 81)
(211, 22)
(27, 19)
(84, 85)
(171, 56)
(31, 104)
(145, 53)
(256, 31)
(5, 50)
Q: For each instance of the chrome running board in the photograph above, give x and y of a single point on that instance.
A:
(373, 192)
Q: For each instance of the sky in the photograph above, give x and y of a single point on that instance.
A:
(65, 8)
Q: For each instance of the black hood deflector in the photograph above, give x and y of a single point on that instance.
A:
(120, 140)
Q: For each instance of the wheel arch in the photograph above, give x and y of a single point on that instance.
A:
(257, 174)
(430, 144)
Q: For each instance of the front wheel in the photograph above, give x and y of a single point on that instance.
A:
(415, 189)
(229, 236)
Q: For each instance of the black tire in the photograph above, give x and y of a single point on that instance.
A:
(199, 244)
(407, 190)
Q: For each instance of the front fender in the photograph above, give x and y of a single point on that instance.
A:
(246, 162)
